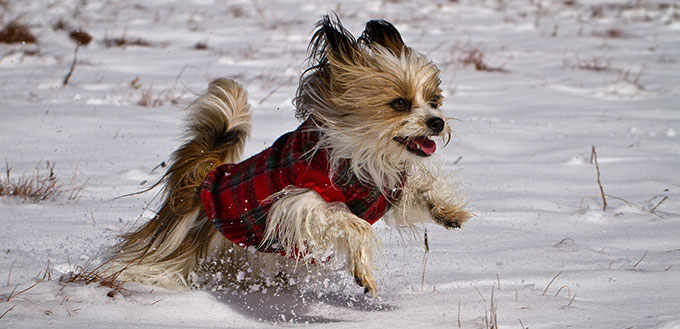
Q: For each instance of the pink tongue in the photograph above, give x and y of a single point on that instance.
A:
(426, 145)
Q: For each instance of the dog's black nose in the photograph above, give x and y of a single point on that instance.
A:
(436, 124)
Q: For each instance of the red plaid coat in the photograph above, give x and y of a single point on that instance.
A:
(236, 197)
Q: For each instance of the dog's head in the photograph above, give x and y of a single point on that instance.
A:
(377, 101)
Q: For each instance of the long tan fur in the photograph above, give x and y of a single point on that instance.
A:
(164, 250)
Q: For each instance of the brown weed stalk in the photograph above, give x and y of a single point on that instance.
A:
(15, 32)
(42, 185)
(593, 156)
(81, 275)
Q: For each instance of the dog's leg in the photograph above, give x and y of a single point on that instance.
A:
(428, 195)
(309, 228)
(445, 211)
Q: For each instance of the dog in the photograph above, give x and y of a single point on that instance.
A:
(370, 108)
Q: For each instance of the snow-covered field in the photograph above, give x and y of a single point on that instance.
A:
(561, 77)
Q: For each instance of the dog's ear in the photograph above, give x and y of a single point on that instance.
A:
(332, 40)
(383, 33)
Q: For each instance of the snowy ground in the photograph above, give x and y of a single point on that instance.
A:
(562, 76)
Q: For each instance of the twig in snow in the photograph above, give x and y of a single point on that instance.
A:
(498, 278)
(94, 223)
(658, 204)
(269, 95)
(580, 207)
(551, 281)
(12, 294)
(426, 241)
(643, 257)
(3, 314)
(480, 293)
(9, 275)
(522, 324)
(572, 300)
(563, 241)
(48, 271)
(630, 204)
(73, 66)
(174, 84)
(492, 319)
(593, 156)
(75, 310)
(560, 290)
(458, 314)
(425, 256)
(81, 38)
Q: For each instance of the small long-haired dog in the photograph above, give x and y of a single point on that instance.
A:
(369, 107)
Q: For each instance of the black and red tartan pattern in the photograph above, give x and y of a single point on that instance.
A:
(237, 197)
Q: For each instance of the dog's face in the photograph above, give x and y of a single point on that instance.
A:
(379, 100)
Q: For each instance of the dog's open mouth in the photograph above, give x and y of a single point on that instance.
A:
(420, 146)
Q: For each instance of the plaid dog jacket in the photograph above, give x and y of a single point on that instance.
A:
(238, 197)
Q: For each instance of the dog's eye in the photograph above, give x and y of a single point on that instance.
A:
(434, 102)
(400, 105)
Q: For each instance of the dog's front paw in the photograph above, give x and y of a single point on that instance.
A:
(366, 281)
(450, 217)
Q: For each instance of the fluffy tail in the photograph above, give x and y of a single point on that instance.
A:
(167, 248)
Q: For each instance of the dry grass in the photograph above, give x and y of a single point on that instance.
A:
(562, 288)
(611, 33)
(201, 45)
(491, 316)
(45, 276)
(236, 12)
(15, 32)
(125, 41)
(474, 56)
(80, 37)
(151, 99)
(81, 275)
(61, 25)
(628, 75)
(594, 64)
(551, 282)
(640, 261)
(42, 185)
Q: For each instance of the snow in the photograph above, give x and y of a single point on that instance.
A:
(521, 150)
